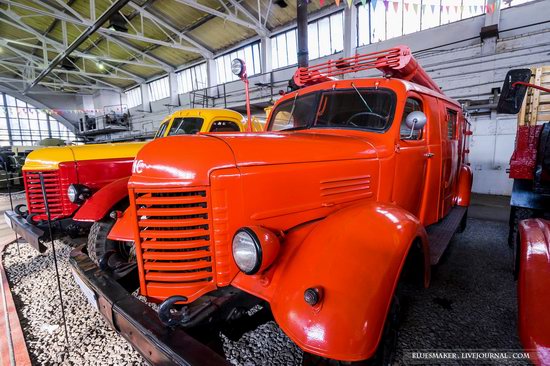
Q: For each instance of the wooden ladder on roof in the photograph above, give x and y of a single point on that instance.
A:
(536, 104)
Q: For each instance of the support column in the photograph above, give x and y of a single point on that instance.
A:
(265, 59)
(489, 33)
(145, 103)
(211, 72)
(303, 53)
(350, 30)
(173, 85)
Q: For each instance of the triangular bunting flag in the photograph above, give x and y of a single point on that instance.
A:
(373, 3)
(386, 3)
(441, 8)
(395, 6)
(337, 2)
(349, 3)
(475, 9)
(433, 8)
(415, 8)
(456, 8)
(447, 8)
(322, 3)
(406, 6)
(364, 2)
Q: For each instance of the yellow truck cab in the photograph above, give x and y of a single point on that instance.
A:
(72, 175)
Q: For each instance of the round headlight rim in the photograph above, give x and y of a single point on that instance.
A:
(81, 193)
(257, 246)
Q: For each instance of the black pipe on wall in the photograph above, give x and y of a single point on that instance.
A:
(303, 54)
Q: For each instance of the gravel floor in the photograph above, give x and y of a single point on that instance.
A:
(471, 304)
(34, 287)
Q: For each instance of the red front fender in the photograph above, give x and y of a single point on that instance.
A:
(355, 256)
(96, 207)
(534, 288)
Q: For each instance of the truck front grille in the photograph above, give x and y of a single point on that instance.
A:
(56, 189)
(174, 243)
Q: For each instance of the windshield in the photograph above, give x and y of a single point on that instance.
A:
(369, 109)
(186, 126)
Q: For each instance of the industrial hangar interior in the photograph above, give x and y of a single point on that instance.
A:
(275, 182)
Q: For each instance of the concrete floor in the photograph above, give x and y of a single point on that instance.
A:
(471, 303)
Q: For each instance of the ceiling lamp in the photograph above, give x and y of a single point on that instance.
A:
(281, 3)
(117, 23)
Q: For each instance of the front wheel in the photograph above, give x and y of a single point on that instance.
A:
(99, 245)
(386, 348)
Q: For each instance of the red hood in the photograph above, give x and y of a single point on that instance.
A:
(295, 147)
(190, 159)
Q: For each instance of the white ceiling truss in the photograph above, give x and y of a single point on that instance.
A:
(27, 65)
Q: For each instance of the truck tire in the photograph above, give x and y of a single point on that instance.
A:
(386, 349)
(99, 244)
(516, 215)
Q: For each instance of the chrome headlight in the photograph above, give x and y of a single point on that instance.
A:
(254, 249)
(247, 251)
(78, 193)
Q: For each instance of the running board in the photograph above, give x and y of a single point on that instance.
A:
(441, 233)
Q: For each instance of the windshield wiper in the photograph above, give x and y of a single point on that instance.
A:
(360, 96)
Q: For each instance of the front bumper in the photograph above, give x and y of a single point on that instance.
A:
(137, 322)
(31, 233)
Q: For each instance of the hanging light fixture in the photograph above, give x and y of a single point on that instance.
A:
(117, 23)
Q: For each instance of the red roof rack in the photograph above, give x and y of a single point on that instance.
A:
(396, 62)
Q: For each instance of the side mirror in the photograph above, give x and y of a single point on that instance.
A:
(511, 96)
(416, 120)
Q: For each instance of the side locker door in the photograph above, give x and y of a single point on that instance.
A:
(449, 144)
(410, 170)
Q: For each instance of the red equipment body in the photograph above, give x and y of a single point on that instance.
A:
(534, 289)
(348, 204)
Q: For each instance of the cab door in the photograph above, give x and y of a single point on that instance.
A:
(410, 155)
(450, 154)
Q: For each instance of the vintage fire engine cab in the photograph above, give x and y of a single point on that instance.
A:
(74, 174)
(354, 183)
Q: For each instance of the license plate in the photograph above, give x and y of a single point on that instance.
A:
(90, 295)
(8, 220)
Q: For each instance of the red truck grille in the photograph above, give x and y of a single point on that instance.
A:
(55, 192)
(174, 246)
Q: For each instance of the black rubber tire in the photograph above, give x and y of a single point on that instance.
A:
(516, 215)
(99, 244)
(463, 223)
(386, 349)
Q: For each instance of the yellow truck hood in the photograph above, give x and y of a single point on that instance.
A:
(48, 158)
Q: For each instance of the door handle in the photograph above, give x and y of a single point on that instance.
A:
(429, 155)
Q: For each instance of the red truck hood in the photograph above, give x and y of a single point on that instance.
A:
(190, 159)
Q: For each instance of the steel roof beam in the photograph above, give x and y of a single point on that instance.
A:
(229, 17)
(102, 31)
(115, 7)
(58, 46)
(206, 53)
(261, 29)
(69, 72)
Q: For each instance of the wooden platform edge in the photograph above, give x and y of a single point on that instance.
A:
(14, 353)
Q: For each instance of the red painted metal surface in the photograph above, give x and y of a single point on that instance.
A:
(56, 182)
(99, 204)
(534, 289)
(524, 157)
(94, 174)
(173, 243)
(465, 181)
(396, 62)
(340, 197)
